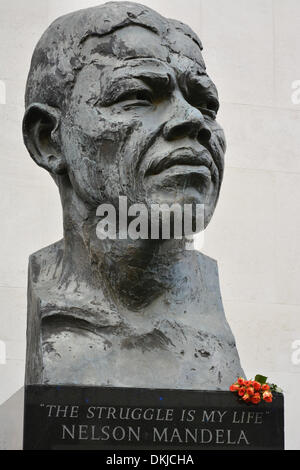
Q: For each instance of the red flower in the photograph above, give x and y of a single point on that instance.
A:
(268, 397)
(242, 391)
(246, 398)
(241, 381)
(234, 387)
(265, 387)
(256, 386)
(255, 399)
(250, 391)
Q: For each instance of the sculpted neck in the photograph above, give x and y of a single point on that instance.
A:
(131, 272)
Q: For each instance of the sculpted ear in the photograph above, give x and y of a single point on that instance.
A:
(41, 137)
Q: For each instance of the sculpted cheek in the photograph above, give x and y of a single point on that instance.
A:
(217, 147)
(99, 159)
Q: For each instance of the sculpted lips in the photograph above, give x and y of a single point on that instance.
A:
(184, 157)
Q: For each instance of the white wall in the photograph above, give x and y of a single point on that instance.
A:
(252, 50)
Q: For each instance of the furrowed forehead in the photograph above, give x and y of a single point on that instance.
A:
(136, 41)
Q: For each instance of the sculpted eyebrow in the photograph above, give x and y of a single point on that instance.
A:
(197, 87)
(152, 78)
(162, 82)
(156, 78)
(202, 84)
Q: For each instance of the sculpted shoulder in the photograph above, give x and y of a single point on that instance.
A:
(45, 264)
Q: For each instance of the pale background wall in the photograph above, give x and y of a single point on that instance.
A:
(252, 50)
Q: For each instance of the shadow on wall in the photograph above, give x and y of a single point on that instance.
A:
(11, 422)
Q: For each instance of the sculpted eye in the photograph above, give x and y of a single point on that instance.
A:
(213, 105)
(138, 97)
(210, 107)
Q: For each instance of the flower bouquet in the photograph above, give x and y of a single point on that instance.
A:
(254, 391)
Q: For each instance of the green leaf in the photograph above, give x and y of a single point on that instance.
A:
(261, 379)
(275, 388)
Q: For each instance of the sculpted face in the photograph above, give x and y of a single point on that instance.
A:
(141, 123)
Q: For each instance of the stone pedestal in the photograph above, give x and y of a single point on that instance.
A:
(77, 417)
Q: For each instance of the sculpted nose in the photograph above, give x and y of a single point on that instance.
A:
(188, 122)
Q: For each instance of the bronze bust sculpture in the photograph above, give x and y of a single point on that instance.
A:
(119, 103)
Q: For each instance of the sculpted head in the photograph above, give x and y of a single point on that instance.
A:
(118, 102)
